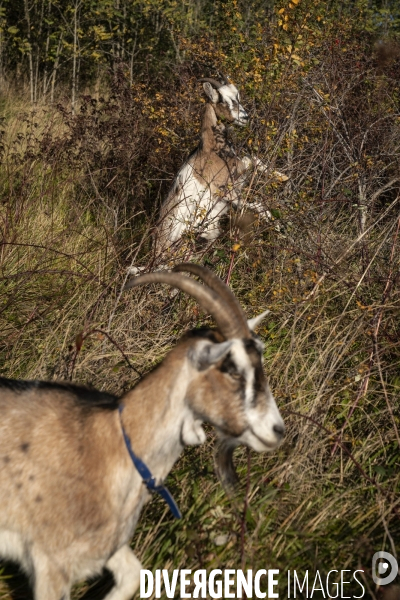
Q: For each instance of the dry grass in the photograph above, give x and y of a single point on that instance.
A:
(329, 498)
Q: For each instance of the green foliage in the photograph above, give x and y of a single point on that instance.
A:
(76, 42)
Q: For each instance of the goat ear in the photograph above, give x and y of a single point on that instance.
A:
(207, 354)
(211, 93)
(252, 323)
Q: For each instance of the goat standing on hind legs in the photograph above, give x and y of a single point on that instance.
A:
(212, 178)
(76, 465)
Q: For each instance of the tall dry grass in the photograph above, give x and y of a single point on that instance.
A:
(79, 196)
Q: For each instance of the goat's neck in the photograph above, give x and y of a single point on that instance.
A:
(154, 414)
(214, 134)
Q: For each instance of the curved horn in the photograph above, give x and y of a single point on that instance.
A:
(225, 318)
(216, 84)
(223, 291)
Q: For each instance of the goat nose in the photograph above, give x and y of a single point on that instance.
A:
(279, 430)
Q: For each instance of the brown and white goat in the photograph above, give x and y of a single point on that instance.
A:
(70, 495)
(212, 178)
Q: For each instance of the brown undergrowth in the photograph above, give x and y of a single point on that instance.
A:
(79, 197)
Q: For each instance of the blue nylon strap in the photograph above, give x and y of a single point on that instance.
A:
(147, 476)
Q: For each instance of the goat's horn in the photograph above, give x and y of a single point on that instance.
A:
(225, 318)
(213, 82)
(223, 291)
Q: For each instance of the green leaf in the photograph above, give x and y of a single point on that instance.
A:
(250, 519)
(380, 470)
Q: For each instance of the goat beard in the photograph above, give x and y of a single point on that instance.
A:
(224, 463)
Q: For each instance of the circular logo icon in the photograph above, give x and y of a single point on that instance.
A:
(384, 568)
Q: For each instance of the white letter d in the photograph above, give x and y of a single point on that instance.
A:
(143, 574)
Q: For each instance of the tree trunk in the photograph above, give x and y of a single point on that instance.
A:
(55, 68)
(30, 57)
(46, 57)
(75, 61)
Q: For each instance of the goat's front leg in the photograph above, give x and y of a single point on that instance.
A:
(51, 580)
(257, 207)
(260, 209)
(249, 164)
(261, 167)
(125, 568)
(256, 164)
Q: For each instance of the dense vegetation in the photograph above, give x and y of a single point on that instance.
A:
(100, 105)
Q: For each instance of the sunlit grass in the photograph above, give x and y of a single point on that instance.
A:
(329, 497)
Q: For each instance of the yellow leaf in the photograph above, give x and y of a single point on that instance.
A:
(235, 247)
(295, 1)
(281, 11)
(279, 176)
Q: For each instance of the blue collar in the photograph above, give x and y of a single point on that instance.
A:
(146, 474)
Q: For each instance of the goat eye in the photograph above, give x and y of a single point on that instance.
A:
(229, 367)
(235, 375)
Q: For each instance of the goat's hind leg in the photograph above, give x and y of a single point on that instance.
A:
(125, 568)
